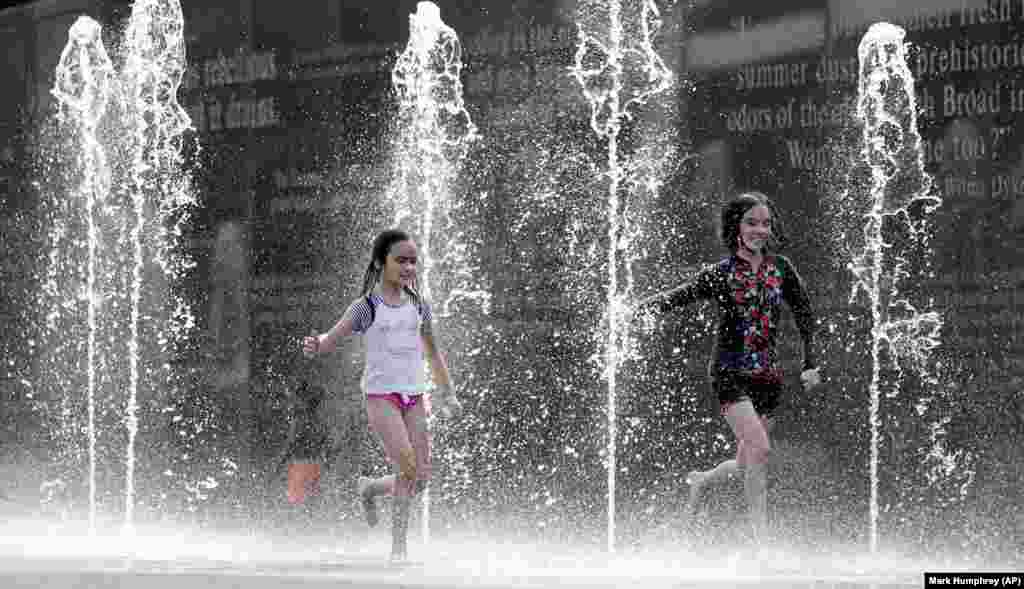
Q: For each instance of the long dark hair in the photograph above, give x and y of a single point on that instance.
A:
(379, 257)
(732, 215)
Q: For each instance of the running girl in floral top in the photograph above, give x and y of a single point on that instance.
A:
(748, 286)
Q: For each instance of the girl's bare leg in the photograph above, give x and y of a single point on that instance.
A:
(752, 459)
(388, 422)
(699, 479)
(369, 489)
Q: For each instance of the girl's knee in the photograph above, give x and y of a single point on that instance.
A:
(407, 464)
(753, 445)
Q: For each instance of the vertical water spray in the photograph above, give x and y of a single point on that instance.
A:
(618, 70)
(155, 62)
(83, 87)
(126, 139)
(434, 132)
(895, 197)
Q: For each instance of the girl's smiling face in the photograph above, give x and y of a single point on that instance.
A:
(400, 265)
(756, 228)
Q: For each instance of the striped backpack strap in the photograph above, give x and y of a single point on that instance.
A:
(373, 309)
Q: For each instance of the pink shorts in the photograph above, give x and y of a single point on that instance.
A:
(400, 401)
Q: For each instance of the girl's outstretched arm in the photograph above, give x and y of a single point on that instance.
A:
(438, 366)
(342, 329)
(448, 401)
(357, 316)
(701, 287)
(795, 295)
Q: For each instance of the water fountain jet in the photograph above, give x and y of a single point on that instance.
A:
(606, 56)
(892, 153)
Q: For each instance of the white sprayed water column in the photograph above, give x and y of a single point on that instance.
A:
(144, 133)
(154, 66)
(83, 84)
(615, 47)
(433, 135)
(891, 149)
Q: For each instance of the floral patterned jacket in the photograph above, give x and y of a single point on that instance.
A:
(749, 306)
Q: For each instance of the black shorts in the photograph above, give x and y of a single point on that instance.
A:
(732, 387)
